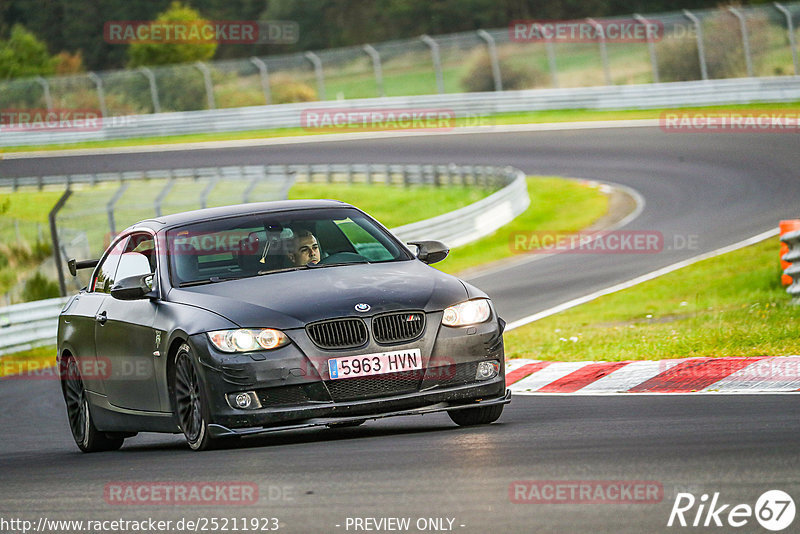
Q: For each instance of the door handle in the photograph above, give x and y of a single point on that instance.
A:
(101, 317)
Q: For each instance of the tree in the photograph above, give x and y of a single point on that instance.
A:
(141, 54)
(24, 55)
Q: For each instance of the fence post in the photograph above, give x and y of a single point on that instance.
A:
(437, 61)
(207, 191)
(651, 46)
(603, 50)
(48, 100)
(62, 285)
(745, 39)
(252, 185)
(112, 226)
(492, 49)
(199, 65)
(263, 74)
(551, 56)
(317, 63)
(162, 195)
(790, 28)
(101, 97)
(376, 67)
(701, 51)
(151, 79)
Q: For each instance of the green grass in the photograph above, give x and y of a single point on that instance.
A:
(28, 361)
(731, 305)
(556, 204)
(532, 117)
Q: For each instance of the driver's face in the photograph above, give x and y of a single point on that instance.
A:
(307, 251)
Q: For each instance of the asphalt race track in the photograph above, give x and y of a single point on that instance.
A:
(721, 188)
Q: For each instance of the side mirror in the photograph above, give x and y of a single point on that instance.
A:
(133, 288)
(430, 251)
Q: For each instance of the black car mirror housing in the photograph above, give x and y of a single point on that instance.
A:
(430, 251)
(134, 288)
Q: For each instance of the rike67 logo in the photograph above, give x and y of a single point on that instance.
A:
(774, 510)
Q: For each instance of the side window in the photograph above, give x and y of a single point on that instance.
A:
(105, 273)
(138, 257)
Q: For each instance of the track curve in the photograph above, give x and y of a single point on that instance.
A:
(720, 187)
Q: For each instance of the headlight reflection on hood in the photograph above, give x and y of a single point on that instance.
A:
(246, 340)
(466, 313)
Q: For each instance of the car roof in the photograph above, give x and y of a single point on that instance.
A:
(187, 217)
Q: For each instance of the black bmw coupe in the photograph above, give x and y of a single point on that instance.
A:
(241, 320)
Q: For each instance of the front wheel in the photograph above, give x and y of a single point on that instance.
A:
(191, 408)
(482, 415)
(84, 432)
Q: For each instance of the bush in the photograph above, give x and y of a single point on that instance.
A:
(479, 77)
(286, 89)
(67, 63)
(41, 251)
(143, 54)
(23, 55)
(180, 88)
(678, 59)
(38, 287)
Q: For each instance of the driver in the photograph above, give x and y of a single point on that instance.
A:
(303, 248)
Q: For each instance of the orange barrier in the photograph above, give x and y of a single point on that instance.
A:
(786, 226)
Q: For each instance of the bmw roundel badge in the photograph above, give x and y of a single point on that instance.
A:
(362, 307)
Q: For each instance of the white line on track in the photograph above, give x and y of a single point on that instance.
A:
(639, 279)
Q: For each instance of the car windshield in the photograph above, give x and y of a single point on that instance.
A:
(265, 243)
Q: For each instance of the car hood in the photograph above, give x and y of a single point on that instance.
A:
(293, 299)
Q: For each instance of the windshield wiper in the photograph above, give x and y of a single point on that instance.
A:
(213, 280)
(195, 283)
(320, 265)
(285, 269)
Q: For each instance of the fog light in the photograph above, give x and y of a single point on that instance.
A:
(244, 401)
(487, 370)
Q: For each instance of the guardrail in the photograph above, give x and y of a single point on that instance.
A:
(30, 324)
(470, 105)
(792, 240)
(476, 220)
(397, 174)
(27, 325)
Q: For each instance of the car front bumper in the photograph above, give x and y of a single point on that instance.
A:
(373, 410)
(294, 388)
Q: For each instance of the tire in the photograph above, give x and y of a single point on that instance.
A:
(189, 404)
(81, 424)
(476, 416)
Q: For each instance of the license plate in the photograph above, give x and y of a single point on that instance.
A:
(375, 364)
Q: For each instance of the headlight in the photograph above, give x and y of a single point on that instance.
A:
(246, 340)
(469, 312)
